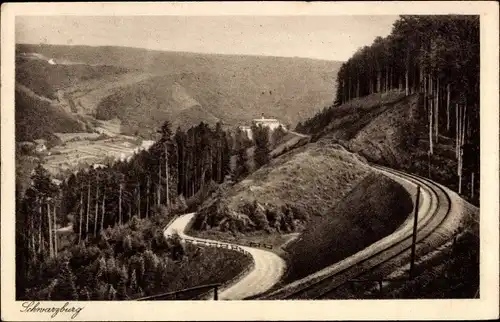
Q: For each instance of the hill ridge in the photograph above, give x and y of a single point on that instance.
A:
(181, 52)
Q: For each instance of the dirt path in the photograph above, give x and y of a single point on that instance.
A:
(267, 271)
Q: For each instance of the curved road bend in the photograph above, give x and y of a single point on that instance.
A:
(267, 271)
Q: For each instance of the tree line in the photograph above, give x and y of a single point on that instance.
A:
(166, 177)
(436, 57)
(172, 170)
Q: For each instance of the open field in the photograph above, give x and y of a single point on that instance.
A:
(69, 155)
(80, 136)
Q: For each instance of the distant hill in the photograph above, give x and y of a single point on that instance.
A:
(45, 78)
(37, 117)
(145, 87)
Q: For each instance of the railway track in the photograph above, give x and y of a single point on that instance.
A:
(379, 253)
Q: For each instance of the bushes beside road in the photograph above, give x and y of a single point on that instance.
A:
(128, 262)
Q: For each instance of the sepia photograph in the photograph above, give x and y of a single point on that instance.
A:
(263, 158)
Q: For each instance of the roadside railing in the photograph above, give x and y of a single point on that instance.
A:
(227, 245)
(184, 294)
(263, 245)
(228, 283)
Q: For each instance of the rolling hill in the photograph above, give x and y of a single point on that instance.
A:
(36, 117)
(144, 87)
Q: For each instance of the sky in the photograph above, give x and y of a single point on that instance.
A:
(321, 37)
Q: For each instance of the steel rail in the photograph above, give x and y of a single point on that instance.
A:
(316, 288)
(440, 217)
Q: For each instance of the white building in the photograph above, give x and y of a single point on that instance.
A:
(272, 124)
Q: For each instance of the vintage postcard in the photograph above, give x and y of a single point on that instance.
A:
(250, 161)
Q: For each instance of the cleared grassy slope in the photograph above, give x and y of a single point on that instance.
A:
(313, 177)
(392, 130)
(373, 209)
(283, 195)
(55, 98)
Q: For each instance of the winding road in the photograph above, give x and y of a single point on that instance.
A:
(435, 208)
(267, 269)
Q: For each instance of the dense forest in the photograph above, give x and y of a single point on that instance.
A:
(176, 174)
(436, 57)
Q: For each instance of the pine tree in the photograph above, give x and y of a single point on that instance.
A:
(65, 289)
(101, 269)
(133, 281)
(277, 135)
(122, 284)
(80, 218)
(261, 139)
(437, 56)
(112, 294)
(88, 213)
(85, 294)
(241, 167)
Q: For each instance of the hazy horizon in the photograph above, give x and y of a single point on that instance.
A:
(180, 51)
(316, 37)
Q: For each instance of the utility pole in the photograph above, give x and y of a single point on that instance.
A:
(414, 239)
(55, 232)
(215, 293)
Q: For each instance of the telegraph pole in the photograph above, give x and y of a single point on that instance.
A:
(414, 239)
(216, 297)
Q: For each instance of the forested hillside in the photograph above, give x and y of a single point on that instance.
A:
(37, 118)
(437, 59)
(145, 87)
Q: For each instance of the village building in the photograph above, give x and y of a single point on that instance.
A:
(40, 145)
